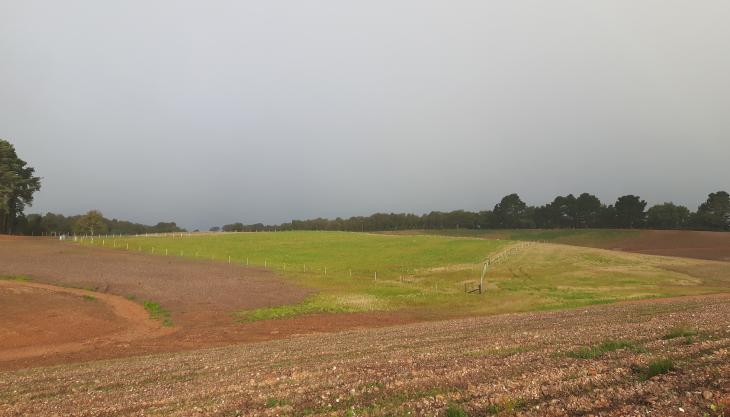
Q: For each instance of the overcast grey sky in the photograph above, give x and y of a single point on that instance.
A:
(210, 112)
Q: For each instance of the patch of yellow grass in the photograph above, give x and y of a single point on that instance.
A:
(361, 302)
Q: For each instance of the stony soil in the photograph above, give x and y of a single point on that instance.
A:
(516, 364)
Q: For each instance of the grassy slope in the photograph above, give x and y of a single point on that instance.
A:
(426, 274)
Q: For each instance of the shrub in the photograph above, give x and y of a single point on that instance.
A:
(679, 332)
(658, 367)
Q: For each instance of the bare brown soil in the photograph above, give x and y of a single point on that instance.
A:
(680, 243)
(683, 243)
(183, 286)
(516, 364)
(200, 295)
(39, 320)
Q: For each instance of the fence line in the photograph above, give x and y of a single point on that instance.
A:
(323, 271)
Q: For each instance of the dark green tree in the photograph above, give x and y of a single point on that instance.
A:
(512, 212)
(487, 220)
(563, 211)
(630, 211)
(33, 225)
(58, 223)
(543, 217)
(233, 227)
(607, 217)
(714, 214)
(667, 216)
(165, 227)
(17, 186)
(587, 210)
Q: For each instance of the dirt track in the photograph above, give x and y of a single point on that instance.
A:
(44, 320)
(515, 364)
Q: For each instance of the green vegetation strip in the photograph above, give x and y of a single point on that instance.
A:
(18, 278)
(593, 352)
(157, 312)
(312, 305)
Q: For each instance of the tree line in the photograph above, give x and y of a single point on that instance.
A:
(91, 223)
(564, 212)
(18, 183)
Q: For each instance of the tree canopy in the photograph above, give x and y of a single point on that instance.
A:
(58, 224)
(667, 216)
(630, 211)
(584, 211)
(715, 212)
(511, 212)
(91, 223)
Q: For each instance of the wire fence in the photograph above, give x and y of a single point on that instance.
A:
(404, 274)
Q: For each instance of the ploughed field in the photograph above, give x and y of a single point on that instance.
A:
(681, 243)
(324, 323)
(652, 358)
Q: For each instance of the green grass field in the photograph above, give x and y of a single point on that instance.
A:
(425, 274)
